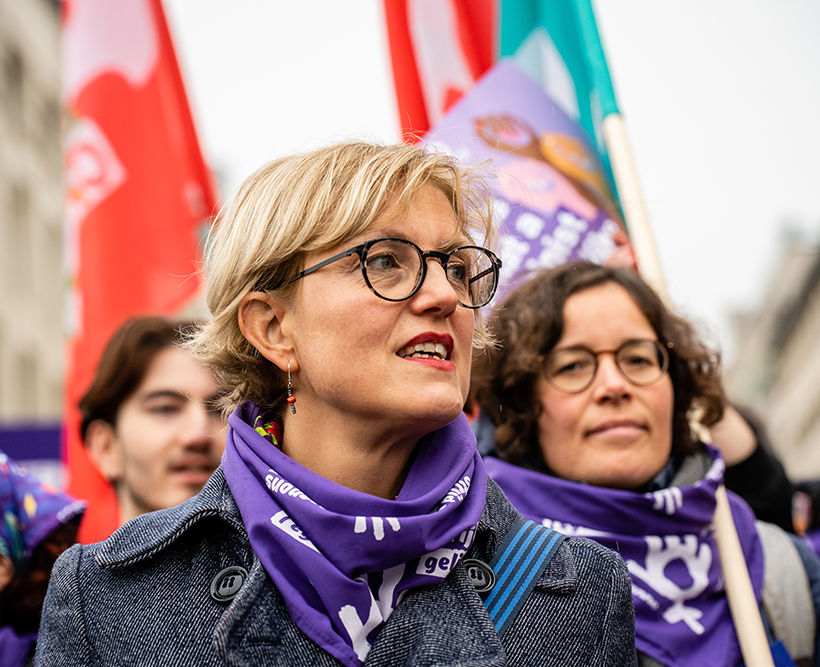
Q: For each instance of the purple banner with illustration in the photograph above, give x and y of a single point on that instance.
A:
(553, 199)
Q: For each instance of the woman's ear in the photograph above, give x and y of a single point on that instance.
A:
(104, 449)
(6, 571)
(260, 321)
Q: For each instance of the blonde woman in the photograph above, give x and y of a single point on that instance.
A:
(345, 288)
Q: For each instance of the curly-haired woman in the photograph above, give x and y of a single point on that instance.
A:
(588, 402)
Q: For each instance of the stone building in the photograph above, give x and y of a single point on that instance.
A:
(777, 367)
(31, 338)
(31, 257)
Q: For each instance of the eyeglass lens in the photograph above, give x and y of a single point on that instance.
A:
(393, 269)
(573, 369)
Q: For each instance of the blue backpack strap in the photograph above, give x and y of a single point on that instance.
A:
(518, 565)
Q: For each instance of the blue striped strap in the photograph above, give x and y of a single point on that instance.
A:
(518, 565)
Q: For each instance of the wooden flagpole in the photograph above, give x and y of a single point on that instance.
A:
(742, 603)
(632, 203)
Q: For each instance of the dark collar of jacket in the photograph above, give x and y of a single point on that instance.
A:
(446, 624)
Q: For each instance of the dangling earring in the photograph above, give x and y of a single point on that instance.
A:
(291, 397)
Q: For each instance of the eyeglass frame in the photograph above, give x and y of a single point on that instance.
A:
(442, 257)
(544, 359)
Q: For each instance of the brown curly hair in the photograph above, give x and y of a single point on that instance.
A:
(530, 323)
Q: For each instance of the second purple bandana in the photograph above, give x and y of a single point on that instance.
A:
(667, 540)
(342, 559)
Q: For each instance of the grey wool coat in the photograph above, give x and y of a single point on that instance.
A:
(143, 597)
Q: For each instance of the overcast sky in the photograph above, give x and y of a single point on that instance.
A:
(721, 100)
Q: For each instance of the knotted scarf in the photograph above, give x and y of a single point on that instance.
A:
(667, 540)
(343, 559)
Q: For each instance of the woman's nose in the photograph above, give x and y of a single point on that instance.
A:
(436, 291)
(609, 381)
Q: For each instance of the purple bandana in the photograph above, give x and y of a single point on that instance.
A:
(343, 559)
(667, 540)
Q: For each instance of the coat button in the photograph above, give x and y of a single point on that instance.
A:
(481, 575)
(227, 583)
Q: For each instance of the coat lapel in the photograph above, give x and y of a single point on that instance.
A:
(256, 629)
(445, 624)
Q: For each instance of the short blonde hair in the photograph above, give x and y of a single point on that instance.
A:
(300, 204)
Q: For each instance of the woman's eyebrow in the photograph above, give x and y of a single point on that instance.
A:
(444, 246)
(164, 393)
(387, 232)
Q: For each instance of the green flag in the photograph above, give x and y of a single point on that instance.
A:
(557, 43)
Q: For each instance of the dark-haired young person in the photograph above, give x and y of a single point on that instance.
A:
(149, 419)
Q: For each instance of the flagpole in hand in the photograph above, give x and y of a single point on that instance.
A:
(742, 602)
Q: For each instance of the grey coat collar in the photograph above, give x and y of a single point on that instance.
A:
(151, 533)
(446, 624)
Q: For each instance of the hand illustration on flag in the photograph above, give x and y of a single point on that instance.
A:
(552, 197)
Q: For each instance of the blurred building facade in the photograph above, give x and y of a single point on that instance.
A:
(31, 258)
(777, 368)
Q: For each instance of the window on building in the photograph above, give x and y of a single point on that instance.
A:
(19, 250)
(13, 73)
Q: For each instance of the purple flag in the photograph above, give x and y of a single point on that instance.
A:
(552, 196)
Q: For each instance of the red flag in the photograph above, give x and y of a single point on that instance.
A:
(438, 49)
(138, 199)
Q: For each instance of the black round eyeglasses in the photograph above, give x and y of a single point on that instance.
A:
(572, 369)
(394, 269)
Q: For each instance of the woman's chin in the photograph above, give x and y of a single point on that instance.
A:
(436, 414)
(619, 474)
(626, 462)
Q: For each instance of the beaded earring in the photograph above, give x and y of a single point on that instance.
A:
(291, 398)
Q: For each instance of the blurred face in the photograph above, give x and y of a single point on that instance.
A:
(364, 361)
(168, 439)
(614, 433)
